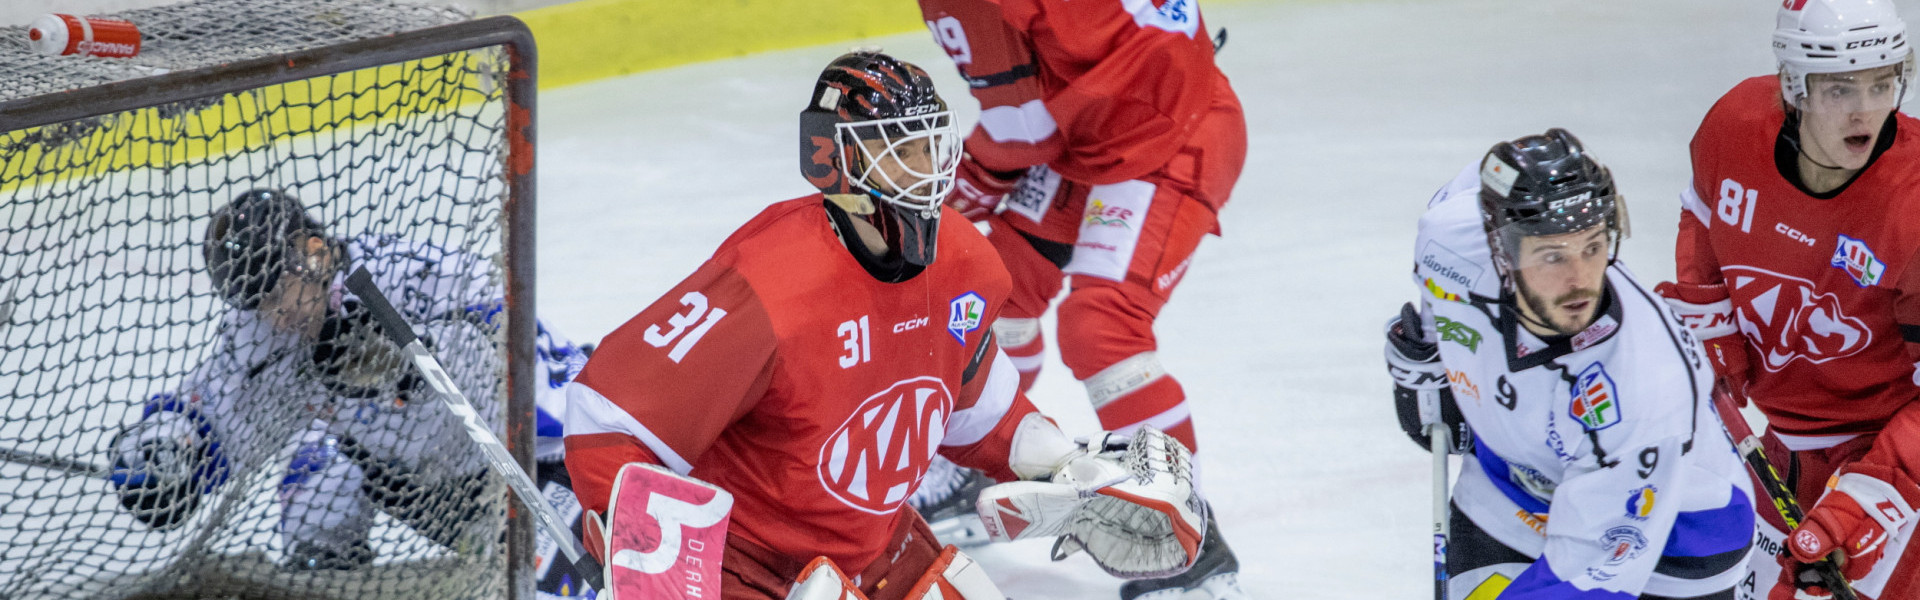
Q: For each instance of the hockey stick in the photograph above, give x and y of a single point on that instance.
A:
(1441, 446)
(1776, 489)
(398, 330)
(68, 465)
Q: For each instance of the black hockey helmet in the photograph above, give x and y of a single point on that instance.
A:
(1545, 185)
(868, 96)
(248, 244)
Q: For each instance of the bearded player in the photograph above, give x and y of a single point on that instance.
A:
(812, 367)
(1796, 265)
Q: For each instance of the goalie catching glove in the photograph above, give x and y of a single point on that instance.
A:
(1128, 502)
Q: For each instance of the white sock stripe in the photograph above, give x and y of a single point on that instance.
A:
(1163, 421)
(1027, 364)
(1013, 333)
(589, 412)
(1124, 377)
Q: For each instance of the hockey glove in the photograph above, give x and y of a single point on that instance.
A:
(1853, 517)
(355, 360)
(165, 462)
(978, 192)
(1708, 311)
(1129, 503)
(1420, 392)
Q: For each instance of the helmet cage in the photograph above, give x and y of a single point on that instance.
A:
(926, 183)
(256, 239)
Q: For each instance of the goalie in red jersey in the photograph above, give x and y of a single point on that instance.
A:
(817, 362)
(1799, 267)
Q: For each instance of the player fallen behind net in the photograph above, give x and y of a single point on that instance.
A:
(774, 373)
(297, 358)
(1595, 462)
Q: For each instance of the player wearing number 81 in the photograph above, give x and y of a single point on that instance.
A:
(817, 362)
(1796, 266)
(1596, 466)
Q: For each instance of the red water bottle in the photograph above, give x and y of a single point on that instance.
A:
(93, 36)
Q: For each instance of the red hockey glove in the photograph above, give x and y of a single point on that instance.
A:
(1854, 517)
(1708, 311)
(978, 193)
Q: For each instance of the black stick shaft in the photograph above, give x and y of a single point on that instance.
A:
(72, 466)
(1775, 487)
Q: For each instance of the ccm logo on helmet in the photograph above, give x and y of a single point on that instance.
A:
(914, 111)
(1858, 44)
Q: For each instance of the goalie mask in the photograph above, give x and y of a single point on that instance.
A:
(879, 142)
(252, 242)
(1553, 224)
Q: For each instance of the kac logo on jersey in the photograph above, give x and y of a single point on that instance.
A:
(964, 315)
(1640, 502)
(1787, 319)
(1854, 257)
(1624, 542)
(1595, 404)
(873, 460)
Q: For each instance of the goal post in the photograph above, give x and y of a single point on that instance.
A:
(407, 133)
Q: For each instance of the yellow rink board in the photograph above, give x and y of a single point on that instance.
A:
(239, 122)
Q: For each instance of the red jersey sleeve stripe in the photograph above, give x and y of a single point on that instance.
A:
(589, 412)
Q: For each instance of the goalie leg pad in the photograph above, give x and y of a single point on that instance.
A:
(822, 580)
(680, 556)
(954, 576)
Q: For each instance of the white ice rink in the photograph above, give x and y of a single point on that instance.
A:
(1358, 111)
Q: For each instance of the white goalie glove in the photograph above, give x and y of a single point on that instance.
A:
(1128, 502)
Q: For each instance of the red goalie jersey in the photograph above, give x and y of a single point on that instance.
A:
(1102, 91)
(1824, 289)
(814, 393)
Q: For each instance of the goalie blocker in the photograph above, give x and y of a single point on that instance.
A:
(1127, 502)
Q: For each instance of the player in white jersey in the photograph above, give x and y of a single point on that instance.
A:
(299, 361)
(1595, 465)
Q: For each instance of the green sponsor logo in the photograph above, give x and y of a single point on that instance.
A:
(1458, 333)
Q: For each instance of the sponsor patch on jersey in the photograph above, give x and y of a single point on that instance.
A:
(1640, 502)
(1555, 441)
(1462, 385)
(964, 315)
(1110, 229)
(1595, 404)
(1595, 333)
(1623, 543)
(1854, 257)
(1444, 263)
(1178, 16)
(1458, 333)
(1788, 318)
(1495, 173)
(877, 456)
(1532, 480)
(1034, 194)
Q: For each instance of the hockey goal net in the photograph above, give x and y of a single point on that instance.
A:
(404, 131)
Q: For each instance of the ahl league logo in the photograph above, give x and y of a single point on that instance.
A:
(1787, 320)
(873, 460)
(1595, 404)
(1854, 257)
(964, 315)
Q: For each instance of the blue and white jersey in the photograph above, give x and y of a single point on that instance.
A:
(1598, 454)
